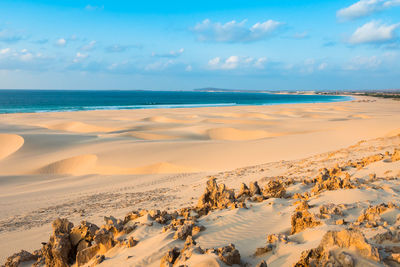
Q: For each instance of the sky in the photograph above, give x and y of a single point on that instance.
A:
(183, 45)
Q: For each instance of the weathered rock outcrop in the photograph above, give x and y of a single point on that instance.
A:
(16, 259)
(396, 155)
(371, 216)
(332, 179)
(302, 220)
(228, 254)
(274, 188)
(216, 197)
(325, 254)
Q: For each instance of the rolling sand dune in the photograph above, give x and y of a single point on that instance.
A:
(163, 167)
(79, 127)
(163, 161)
(232, 134)
(151, 136)
(77, 165)
(164, 119)
(247, 115)
(9, 143)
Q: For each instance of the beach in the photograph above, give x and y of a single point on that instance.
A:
(85, 165)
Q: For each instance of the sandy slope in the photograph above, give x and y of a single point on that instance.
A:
(89, 164)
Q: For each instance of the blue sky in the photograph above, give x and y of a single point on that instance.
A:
(180, 45)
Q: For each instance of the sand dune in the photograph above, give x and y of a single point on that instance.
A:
(78, 165)
(151, 136)
(246, 115)
(232, 134)
(238, 121)
(79, 127)
(9, 143)
(162, 167)
(164, 119)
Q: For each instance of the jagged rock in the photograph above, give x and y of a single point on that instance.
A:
(332, 179)
(85, 255)
(216, 197)
(302, 220)
(273, 238)
(85, 231)
(133, 215)
(396, 155)
(61, 226)
(330, 209)
(243, 191)
(83, 244)
(303, 205)
(254, 189)
(57, 251)
(197, 229)
(262, 264)
(340, 222)
(275, 189)
(170, 257)
(104, 238)
(366, 161)
(322, 256)
(305, 196)
(131, 242)
(372, 216)
(114, 225)
(229, 255)
(189, 242)
(16, 259)
(97, 260)
(184, 230)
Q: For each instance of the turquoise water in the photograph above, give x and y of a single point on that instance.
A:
(23, 101)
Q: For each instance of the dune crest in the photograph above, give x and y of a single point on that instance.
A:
(10, 143)
(233, 134)
(78, 165)
(79, 127)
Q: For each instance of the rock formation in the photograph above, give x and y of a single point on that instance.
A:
(326, 253)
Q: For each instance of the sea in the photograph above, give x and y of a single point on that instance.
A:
(34, 101)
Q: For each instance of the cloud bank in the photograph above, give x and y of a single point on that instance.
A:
(364, 8)
(235, 32)
(374, 32)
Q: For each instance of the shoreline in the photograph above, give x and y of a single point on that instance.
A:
(183, 106)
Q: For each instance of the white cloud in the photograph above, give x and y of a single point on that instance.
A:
(89, 46)
(189, 68)
(11, 59)
(79, 57)
(235, 62)
(171, 54)
(364, 8)
(5, 51)
(61, 42)
(157, 66)
(235, 31)
(374, 32)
